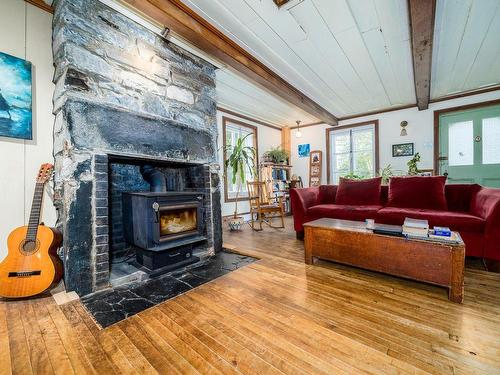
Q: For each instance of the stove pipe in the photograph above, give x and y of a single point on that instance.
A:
(155, 178)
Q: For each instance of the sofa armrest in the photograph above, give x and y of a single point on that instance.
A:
(486, 204)
(301, 200)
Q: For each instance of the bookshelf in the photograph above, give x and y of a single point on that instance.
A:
(277, 177)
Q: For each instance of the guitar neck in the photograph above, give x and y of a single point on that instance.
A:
(36, 208)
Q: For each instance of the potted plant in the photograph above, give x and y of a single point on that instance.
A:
(412, 165)
(277, 155)
(386, 173)
(239, 159)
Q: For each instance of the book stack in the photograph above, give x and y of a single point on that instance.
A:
(443, 234)
(441, 231)
(415, 228)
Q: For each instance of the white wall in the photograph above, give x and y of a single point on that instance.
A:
(315, 136)
(26, 32)
(420, 132)
(266, 138)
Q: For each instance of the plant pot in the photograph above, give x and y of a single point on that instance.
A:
(235, 223)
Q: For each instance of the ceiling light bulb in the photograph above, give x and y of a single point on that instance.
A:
(298, 133)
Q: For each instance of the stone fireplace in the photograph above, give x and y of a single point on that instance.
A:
(126, 100)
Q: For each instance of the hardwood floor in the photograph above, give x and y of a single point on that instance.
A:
(275, 316)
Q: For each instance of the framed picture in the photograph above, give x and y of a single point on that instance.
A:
(426, 172)
(304, 150)
(403, 149)
(315, 170)
(315, 157)
(15, 97)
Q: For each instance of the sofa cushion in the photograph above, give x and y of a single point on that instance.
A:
(418, 192)
(458, 221)
(327, 194)
(359, 192)
(336, 211)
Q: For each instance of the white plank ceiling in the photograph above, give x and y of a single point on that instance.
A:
(466, 54)
(236, 93)
(349, 56)
(354, 56)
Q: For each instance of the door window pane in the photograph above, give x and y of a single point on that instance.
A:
(491, 140)
(461, 143)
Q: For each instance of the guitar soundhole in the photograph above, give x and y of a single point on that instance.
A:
(29, 246)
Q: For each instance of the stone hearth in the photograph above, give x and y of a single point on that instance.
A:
(122, 93)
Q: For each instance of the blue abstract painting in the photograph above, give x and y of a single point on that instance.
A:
(304, 150)
(15, 97)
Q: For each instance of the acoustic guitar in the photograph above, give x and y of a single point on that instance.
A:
(32, 264)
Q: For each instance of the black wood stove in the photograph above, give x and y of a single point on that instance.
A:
(163, 225)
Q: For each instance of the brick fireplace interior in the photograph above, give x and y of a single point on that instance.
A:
(127, 100)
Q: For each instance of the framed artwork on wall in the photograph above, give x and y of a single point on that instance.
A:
(304, 150)
(426, 172)
(316, 157)
(15, 97)
(315, 168)
(403, 149)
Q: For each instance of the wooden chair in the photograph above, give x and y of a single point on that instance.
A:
(263, 206)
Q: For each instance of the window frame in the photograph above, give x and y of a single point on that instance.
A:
(230, 120)
(349, 126)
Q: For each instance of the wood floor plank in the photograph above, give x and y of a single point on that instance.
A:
(197, 361)
(115, 356)
(198, 342)
(134, 356)
(56, 351)
(93, 350)
(39, 356)
(274, 316)
(283, 354)
(153, 355)
(19, 350)
(168, 353)
(75, 351)
(5, 362)
(231, 351)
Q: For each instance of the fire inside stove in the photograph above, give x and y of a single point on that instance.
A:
(176, 221)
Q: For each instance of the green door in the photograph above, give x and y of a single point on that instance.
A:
(469, 146)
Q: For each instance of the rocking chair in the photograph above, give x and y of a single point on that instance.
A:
(263, 206)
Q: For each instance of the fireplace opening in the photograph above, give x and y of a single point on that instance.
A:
(159, 217)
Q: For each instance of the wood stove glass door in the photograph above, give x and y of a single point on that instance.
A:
(178, 221)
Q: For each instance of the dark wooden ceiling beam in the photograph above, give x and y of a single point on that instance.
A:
(41, 4)
(422, 15)
(184, 22)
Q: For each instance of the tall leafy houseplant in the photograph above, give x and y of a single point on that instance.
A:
(239, 158)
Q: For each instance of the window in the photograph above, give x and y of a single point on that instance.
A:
(232, 130)
(352, 150)
(461, 143)
(491, 140)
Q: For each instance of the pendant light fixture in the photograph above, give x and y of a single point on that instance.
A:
(298, 133)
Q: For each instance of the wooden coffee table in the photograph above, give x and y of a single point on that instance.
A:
(349, 242)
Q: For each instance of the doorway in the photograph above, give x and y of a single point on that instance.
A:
(469, 145)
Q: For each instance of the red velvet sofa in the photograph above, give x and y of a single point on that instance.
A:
(474, 211)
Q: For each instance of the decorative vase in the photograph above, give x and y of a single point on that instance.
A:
(235, 223)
